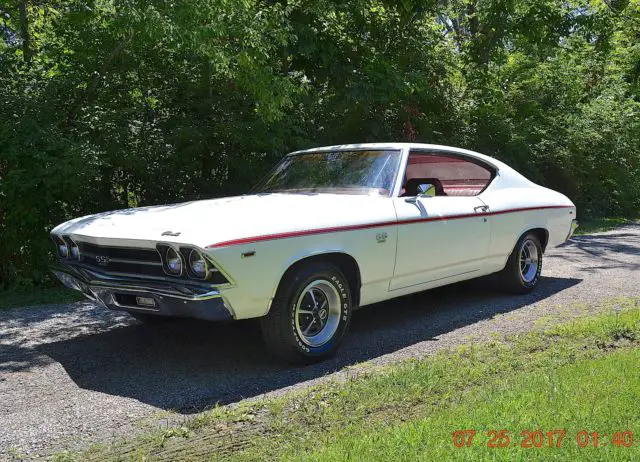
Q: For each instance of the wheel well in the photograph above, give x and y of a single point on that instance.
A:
(541, 234)
(345, 263)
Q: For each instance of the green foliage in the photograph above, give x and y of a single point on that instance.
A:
(602, 224)
(107, 104)
(32, 296)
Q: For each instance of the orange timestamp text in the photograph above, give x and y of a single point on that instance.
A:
(538, 438)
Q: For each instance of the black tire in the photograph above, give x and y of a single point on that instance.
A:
(151, 319)
(280, 330)
(512, 278)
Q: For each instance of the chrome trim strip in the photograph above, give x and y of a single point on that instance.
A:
(155, 291)
(438, 279)
(120, 285)
(402, 170)
(117, 242)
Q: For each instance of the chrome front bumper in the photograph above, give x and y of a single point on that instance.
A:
(151, 297)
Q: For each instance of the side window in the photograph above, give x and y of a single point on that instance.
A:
(450, 174)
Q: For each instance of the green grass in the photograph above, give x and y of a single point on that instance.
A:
(580, 375)
(595, 395)
(18, 297)
(597, 225)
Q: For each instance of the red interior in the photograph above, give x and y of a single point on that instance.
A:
(459, 177)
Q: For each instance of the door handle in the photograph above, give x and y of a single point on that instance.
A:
(481, 209)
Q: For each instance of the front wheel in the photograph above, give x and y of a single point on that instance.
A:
(310, 314)
(522, 273)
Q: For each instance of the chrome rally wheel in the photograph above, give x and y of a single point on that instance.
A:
(310, 313)
(522, 272)
(317, 313)
(528, 260)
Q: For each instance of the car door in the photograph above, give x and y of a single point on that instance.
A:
(446, 236)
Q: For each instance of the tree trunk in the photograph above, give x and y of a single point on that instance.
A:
(24, 31)
(207, 156)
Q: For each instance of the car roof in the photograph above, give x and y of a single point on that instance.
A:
(345, 147)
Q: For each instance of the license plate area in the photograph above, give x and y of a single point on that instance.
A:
(136, 301)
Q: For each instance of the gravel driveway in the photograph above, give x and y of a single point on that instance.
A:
(70, 374)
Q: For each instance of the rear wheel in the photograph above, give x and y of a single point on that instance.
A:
(309, 315)
(522, 273)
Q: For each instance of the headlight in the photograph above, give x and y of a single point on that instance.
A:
(174, 262)
(61, 247)
(74, 251)
(197, 264)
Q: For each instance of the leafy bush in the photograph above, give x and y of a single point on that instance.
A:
(107, 104)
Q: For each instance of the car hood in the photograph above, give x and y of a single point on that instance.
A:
(210, 222)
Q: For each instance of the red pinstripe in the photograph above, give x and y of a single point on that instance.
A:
(335, 229)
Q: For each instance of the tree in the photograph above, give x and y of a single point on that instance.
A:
(108, 103)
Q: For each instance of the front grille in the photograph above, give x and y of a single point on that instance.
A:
(126, 253)
(125, 260)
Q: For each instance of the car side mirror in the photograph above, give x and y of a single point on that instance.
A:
(426, 190)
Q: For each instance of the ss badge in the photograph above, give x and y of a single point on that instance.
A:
(381, 237)
(102, 260)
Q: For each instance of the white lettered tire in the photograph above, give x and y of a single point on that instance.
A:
(310, 313)
(522, 273)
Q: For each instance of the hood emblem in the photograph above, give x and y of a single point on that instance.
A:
(171, 233)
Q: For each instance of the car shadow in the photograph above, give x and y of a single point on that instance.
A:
(191, 365)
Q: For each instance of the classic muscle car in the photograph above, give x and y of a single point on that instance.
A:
(327, 231)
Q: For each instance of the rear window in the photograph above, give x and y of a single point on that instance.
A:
(458, 176)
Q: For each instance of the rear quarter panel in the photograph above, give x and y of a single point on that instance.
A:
(515, 210)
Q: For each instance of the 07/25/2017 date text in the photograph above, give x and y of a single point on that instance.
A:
(538, 438)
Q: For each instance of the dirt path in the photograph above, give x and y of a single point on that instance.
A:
(70, 374)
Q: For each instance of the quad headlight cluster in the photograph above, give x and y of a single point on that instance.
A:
(176, 261)
(186, 260)
(66, 248)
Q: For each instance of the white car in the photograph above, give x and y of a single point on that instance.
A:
(327, 231)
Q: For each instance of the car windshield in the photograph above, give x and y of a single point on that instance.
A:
(336, 172)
